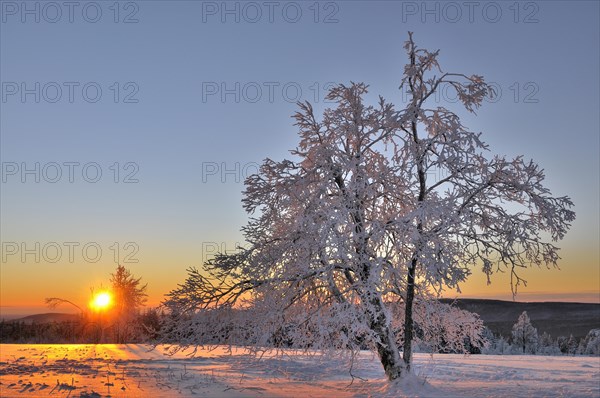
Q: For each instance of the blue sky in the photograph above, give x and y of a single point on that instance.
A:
(171, 63)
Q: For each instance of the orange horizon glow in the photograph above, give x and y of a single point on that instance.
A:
(577, 280)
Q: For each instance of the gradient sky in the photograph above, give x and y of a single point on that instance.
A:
(189, 148)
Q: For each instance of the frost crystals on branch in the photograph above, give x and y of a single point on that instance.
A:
(355, 227)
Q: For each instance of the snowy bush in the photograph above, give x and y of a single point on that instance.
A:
(547, 345)
(567, 345)
(496, 345)
(444, 328)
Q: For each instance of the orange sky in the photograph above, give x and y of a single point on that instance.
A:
(25, 286)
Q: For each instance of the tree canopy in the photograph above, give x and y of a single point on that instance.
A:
(355, 229)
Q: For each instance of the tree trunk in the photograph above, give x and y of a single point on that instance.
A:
(387, 348)
(390, 356)
(408, 315)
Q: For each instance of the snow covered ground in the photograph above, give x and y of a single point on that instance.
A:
(134, 371)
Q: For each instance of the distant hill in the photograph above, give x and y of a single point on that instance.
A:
(558, 319)
(47, 318)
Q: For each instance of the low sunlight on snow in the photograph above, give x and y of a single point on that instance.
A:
(28, 370)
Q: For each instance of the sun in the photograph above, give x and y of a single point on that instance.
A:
(101, 301)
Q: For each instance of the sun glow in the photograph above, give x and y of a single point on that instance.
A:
(101, 301)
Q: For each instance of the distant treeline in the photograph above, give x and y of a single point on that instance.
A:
(83, 329)
(544, 344)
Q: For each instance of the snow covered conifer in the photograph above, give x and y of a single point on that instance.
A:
(524, 335)
(129, 296)
(354, 224)
(590, 345)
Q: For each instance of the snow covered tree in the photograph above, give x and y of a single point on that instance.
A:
(357, 224)
(568, 345)
(129, 295)
(547, 345)
(524, 335)
(590, 345)
(497, 345)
